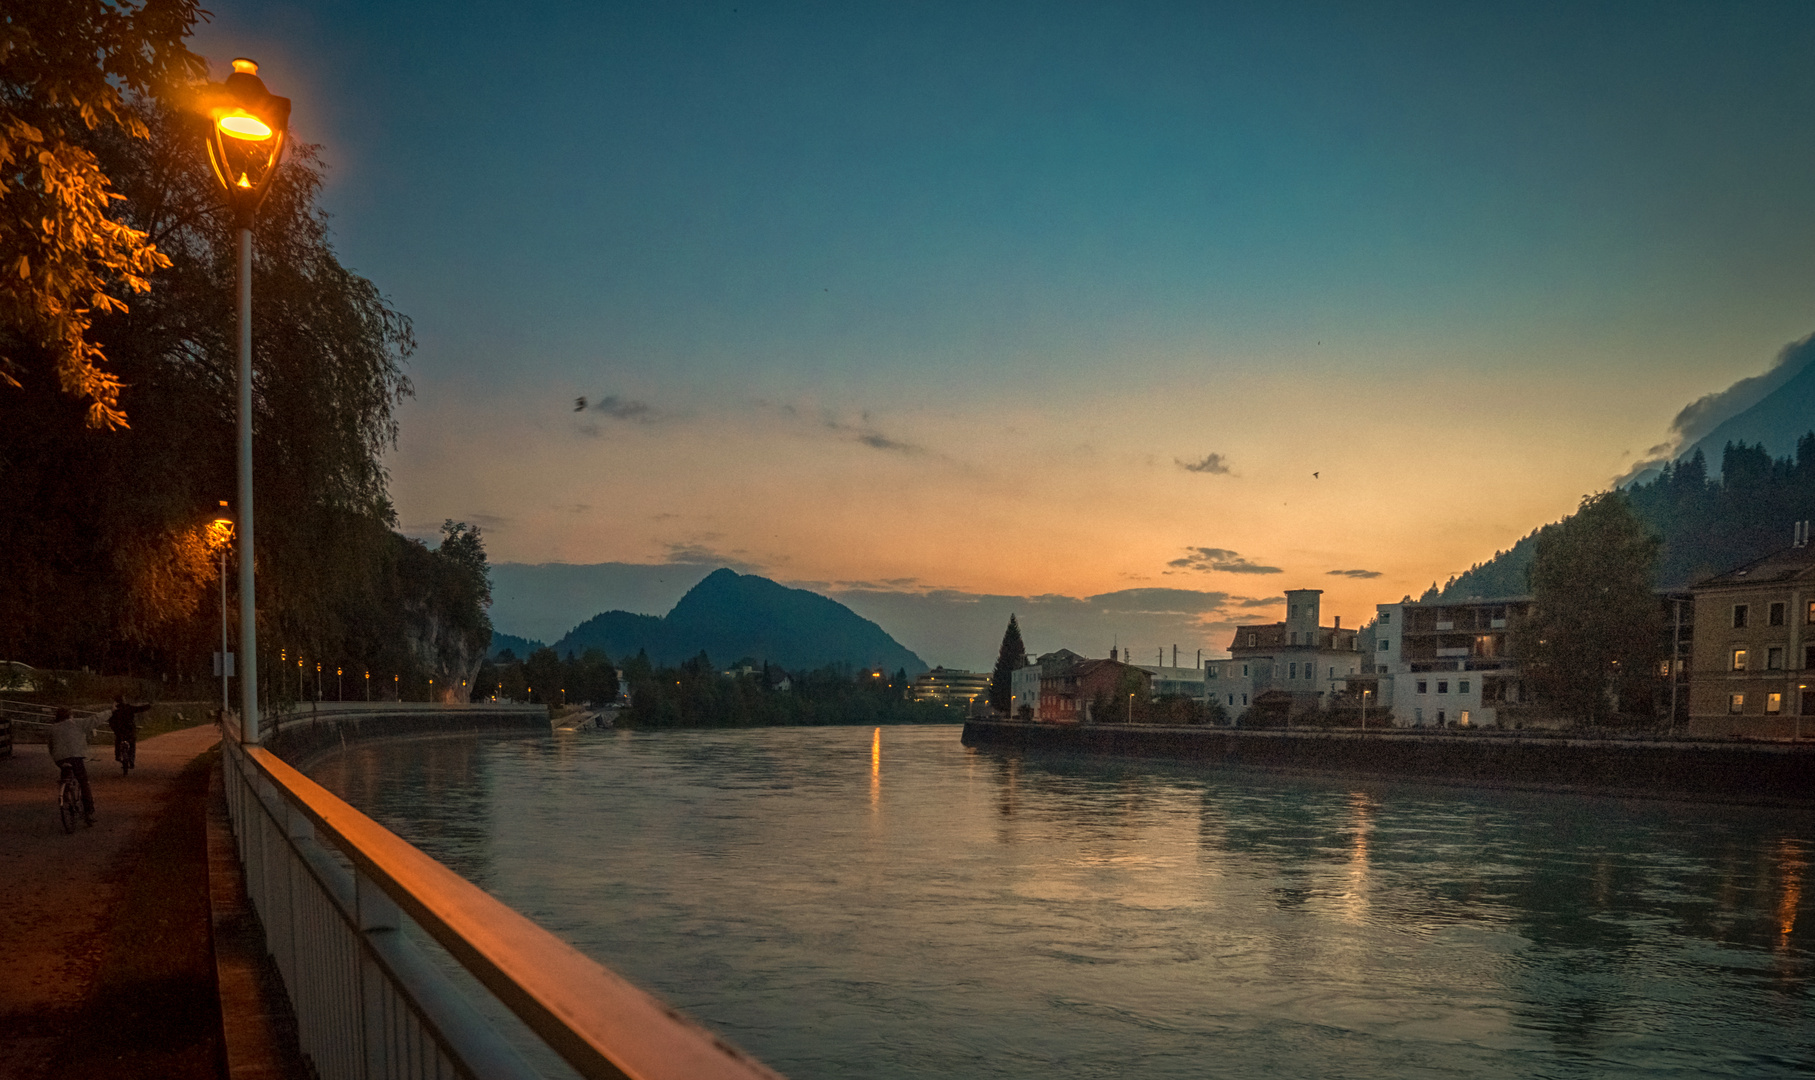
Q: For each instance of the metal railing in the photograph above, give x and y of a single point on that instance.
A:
(336, 892)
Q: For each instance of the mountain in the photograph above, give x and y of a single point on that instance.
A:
(1775, 422)
(730, 616)
(519, 647)
(1708, 523)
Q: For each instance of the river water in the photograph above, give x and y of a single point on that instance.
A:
(856, 902)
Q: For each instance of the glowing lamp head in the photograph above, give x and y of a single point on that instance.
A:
(243, 125)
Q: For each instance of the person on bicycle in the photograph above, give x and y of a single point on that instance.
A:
(125, 727)
(69, 749)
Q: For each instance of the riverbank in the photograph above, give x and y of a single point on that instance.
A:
(1730, 771)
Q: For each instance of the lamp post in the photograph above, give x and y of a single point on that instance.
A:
(222, 530)
(245, 145)
(340, 683)
(1364, 709)
(368, 686)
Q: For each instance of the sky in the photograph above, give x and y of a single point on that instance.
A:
(950, 310)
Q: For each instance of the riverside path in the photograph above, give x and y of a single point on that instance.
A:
(105, 963)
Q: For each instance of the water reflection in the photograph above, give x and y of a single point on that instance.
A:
(1021, 915)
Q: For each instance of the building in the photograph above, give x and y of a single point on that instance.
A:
(1753, 658)
(1183, 682)
(1024, 683)
(950, 686)
(1447, 662)
(1071, 693)
(1300, 658)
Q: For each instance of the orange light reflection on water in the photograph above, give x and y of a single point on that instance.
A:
(1790, 863)
(876, 769)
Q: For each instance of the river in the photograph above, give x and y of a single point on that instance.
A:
(856, 902)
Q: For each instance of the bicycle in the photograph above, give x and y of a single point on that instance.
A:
(69, 799)
(127, 754)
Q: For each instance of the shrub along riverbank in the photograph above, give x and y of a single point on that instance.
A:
(697, 695)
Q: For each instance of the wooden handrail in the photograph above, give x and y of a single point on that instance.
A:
(599, 1022)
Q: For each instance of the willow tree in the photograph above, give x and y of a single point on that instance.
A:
(68, 72)
(101, 523)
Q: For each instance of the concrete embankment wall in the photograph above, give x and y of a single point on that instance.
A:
(302, 737)
(1725, 771)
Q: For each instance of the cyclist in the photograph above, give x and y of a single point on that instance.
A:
(69, 749)
(125, 729)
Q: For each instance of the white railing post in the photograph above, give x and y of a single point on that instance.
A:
(377, 915)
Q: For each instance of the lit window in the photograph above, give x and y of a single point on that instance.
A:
(1773, 704)
(1736, 703)
(1739, 659)
(1739, 616)
(1811, 618)
(1421, 686)
(1443, 686)
(1462, 687)
(1776, 618)
(1663, 669)
(1774, 659)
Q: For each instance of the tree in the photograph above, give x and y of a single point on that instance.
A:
(103, 565)
(67, 70)
(1595, 627)
(1011, 658)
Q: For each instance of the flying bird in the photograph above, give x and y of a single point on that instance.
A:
(579, 404)
(1313, 475)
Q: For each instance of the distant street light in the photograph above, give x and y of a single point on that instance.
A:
(368, 686)
(340, 685)
(318, 681)
(221, 532)
(245, 146)
(1364, 709)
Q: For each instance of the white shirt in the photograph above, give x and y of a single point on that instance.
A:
(69, 738)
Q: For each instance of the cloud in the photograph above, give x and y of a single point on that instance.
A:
(1213, 464)
(1353, 573)
(865, 433)
(1220, 560)
(701, 551)
(1710, 411)
(1260, 601)
(613, 407)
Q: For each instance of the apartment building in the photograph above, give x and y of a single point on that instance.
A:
(950, 686)
(1448, 662)
(1753, 658)
(1297, 665)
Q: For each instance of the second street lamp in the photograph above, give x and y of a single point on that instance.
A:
(246, 142)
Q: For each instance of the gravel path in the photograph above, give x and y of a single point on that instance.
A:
(107, 968)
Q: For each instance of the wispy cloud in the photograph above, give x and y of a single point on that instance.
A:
(1212, 464)
(1353, 573)
(1260, 601)
(702, 551)
(1220, 561)
(865, 433)
(612, 407)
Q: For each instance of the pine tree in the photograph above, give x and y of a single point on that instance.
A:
(1012, 658)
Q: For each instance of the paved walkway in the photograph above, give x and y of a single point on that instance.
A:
(105, 964)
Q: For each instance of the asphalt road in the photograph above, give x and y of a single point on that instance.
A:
(105, 963)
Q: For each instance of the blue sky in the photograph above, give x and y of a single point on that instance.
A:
(878, 294)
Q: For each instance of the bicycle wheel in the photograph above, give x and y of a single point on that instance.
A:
(69, 805)
(126, 759)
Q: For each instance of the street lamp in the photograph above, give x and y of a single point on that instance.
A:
(1364, 709)
(368, 686)
(246, 142)
(340, 684)
(220, 533)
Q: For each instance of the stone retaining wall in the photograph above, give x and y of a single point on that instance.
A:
(302, 737)
(1725, 771)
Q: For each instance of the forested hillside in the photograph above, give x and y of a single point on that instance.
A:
(1707, 525)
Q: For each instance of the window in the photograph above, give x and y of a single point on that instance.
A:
(1293, 673)
(1736, 703)
(1252, 638)
(1774, 659)
(1811, 618)
(1293, 636)
(1776, 616)
(1231, 699)
(1421, 686)
(1739, 659)
(1244, 699)
(1663, 669)
(1443, 686)
(1773, 704)
(1385, 645)
(1387, 616)
(1739, 616)
(1332, 673)
(1244, 671)
(1462, 687)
